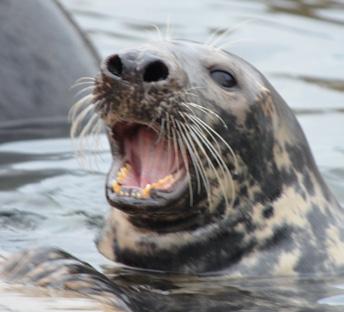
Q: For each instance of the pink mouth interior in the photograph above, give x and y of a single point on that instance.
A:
(151, 159)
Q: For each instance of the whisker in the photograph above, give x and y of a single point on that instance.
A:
(89, 88)
(86, 137)
(201, 128)
(85, 79)
(80, 84)
(96, 132)
(204, 110)
(161, 130)
(175, 144)
(168, 128)
(78, 120)
(212, 36)
(202, 170)
(86, 100)
(198, 136)
(185, 160)
(215, 152)
(152, 124)
(193, 88)
(87, 129)
(158, 31)
(192, 153)
(221, 36)
(168, 33)
(211, 130)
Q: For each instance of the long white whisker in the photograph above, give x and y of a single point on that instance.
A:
(216, 154)
(85, 79)
(206, 142)
(202, 170)
(95, 134)
(80, 84)
(204, 110)
(193, 88)
(87, 129)
(192, 152)
(86, 136)
(77, 121)
(83, 91)
(185, 160)
(210, 129)
(74, 111)
(168, 133)
(161, 131)
(156, 27)
(168, 33)
(175, 143)
(224, 34)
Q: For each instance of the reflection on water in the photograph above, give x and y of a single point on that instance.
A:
(44, 189)
(47, 199)
(180, 293)
(319, 10)
(24, 301)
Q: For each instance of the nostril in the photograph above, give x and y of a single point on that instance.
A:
(155, 71)
(114, 65)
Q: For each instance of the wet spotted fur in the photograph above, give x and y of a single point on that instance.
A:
(268, 212)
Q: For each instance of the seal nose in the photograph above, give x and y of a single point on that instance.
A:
(114, 65)
(125, 67)
(155, 71)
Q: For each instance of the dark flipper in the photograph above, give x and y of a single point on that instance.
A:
(54, 268)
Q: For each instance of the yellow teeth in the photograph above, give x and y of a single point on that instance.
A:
(141, 193)
(116, 187)
(121, 175)
(146, 191)
(166, 181)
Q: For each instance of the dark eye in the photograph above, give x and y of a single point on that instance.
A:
(223, 78)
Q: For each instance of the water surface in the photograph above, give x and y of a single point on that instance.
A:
(48, 199)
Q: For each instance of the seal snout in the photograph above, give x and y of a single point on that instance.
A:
(155, 71)
(114, 65)
(131, 67)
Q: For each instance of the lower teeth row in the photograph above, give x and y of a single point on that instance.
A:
(139, 193)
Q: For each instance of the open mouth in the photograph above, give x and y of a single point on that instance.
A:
(148, 169)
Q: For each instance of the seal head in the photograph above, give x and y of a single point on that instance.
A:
(211, 170)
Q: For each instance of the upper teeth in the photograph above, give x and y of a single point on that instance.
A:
(141, 193)
(123, 173)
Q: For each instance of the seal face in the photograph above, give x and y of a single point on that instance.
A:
(211, 170)
(168, 152)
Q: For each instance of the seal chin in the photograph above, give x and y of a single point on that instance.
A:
(147, 172)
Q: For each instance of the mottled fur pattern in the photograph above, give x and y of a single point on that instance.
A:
(281, 201)
(276, 216)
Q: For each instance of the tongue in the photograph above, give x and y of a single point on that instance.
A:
(151, 158)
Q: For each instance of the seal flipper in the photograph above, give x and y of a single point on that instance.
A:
(56, 269)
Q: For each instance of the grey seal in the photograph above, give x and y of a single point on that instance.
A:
(212, 171)
(211, 174)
